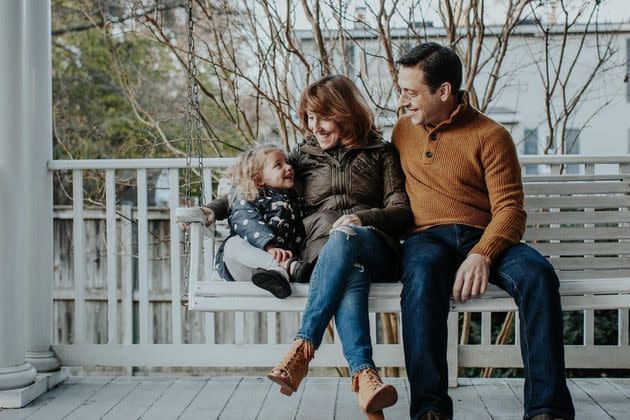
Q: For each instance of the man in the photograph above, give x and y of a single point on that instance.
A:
(464, 183)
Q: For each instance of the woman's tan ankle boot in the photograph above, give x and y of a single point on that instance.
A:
(294, 367)
(373, 394)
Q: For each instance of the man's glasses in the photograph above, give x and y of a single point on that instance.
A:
(410, 95)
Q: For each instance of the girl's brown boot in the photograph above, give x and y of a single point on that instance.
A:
(373, 394)
(294, 367)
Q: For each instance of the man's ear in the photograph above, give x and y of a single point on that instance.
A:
(445, 90)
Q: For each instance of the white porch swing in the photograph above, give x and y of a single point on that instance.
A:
(202, 292)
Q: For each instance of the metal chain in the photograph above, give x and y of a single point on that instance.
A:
(193, 126)
(193, 138)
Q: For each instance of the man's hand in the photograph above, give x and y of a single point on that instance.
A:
(209, 215)
(348, 219)
(471, 279)
(279, 255)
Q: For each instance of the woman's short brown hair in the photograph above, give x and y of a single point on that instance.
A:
(338, 98)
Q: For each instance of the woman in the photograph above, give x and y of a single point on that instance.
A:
(356, 208)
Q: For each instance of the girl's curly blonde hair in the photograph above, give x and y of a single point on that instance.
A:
(248, 166)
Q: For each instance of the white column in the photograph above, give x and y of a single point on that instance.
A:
(37, 126)
(15, 372)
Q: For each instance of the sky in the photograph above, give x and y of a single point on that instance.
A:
(610, 10)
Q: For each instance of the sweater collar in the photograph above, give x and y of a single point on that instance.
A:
(463, 111)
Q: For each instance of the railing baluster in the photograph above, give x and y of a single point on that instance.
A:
(210, 330)
(78, 232)
(143, 257)
(239, 328)
(176, 282)
(372, 316)
(112, 256)
(208, 251)
(486, 328)
(208, 257)
(271, 328)
(126, 270)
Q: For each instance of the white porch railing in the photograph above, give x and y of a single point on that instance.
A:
(233, 351)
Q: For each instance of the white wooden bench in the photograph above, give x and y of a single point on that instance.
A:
(580, 222)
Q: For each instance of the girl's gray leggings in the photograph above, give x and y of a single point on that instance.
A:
(241, 258)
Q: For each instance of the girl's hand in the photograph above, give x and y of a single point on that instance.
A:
(279, 255)
(209, 215)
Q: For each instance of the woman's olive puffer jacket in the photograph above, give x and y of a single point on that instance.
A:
(366, 181)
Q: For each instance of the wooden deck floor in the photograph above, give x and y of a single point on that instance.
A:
(318, 398)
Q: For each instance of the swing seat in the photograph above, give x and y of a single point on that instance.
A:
(590, 250)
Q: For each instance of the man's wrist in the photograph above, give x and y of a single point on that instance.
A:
(485, 257)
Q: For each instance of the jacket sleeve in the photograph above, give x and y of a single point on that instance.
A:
(247, 222)
(395, 217)
(295, 162)
(505, 189)
(220, 206)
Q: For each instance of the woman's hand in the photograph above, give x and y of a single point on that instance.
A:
(348, 219)
(279, 255)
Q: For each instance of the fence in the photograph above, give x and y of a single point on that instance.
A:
(126, 310)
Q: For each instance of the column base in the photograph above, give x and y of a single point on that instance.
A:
(17, 376)
(43, 361)
(21, 397)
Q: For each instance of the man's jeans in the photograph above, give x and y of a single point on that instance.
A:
(430, 260)
(353, 257)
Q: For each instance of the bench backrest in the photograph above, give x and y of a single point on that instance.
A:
(580, 223)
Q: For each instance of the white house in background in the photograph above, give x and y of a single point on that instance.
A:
(518, 101)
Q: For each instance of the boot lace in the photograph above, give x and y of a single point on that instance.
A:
(297, 358)
(370, 378)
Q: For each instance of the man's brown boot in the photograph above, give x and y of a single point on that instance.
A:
(294, 367)
(373, 394)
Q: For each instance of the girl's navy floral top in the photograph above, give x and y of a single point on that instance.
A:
(274, 217)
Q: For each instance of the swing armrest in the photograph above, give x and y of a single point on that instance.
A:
(190, 215)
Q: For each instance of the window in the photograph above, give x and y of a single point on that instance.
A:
(530, 147)
(572, 147)
(350, 59)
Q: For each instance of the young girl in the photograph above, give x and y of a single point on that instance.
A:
(266, 230)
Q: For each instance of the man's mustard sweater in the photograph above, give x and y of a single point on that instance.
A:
(464, 171)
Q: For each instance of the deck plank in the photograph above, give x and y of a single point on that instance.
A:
(608, 397)
(622, 384)
(498, 399)
(104, 399)
(346, 403)
(318, 400)
(176, 399)
(585, 406)
(401, 409)
(71, 399)
(278, 406)
(40, 402)
(467, 404)
(211, 400)
(140, 398)
(247, 400)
